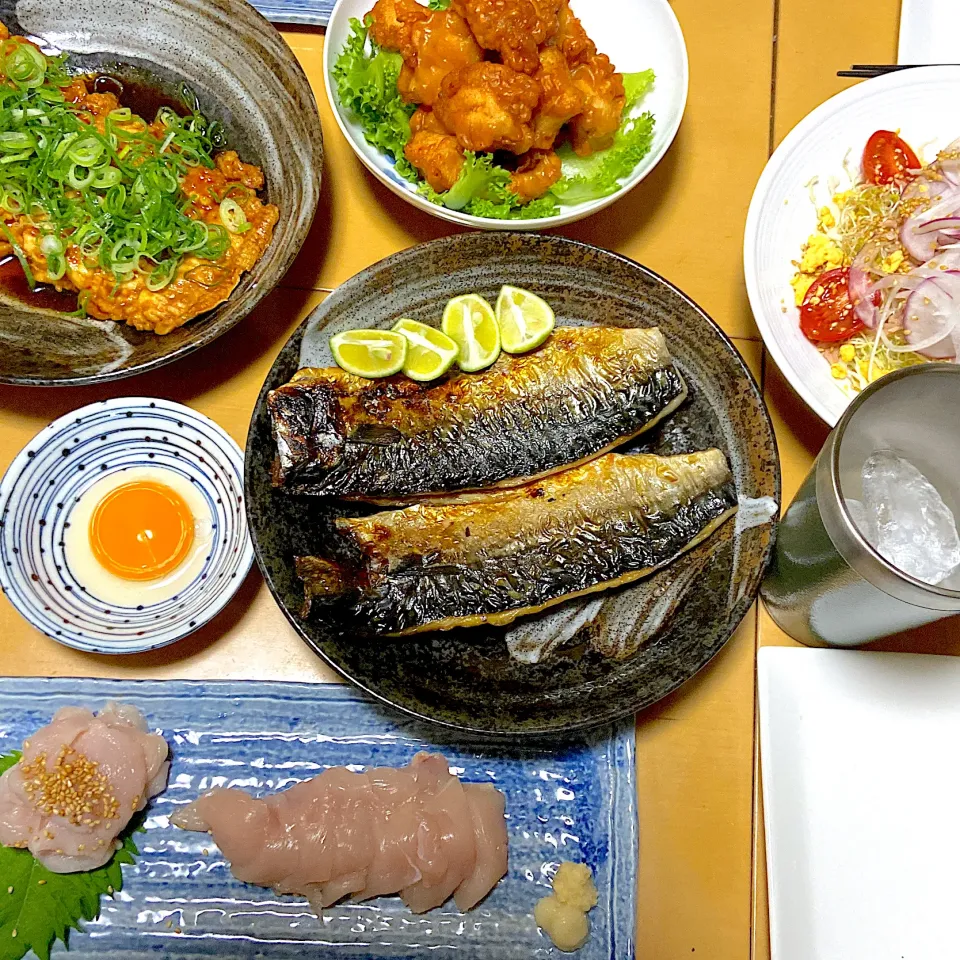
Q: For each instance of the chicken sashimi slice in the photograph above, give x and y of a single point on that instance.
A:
(412, 830)
(487, 806)
(79, 782)
(396, 819)
(449, 818)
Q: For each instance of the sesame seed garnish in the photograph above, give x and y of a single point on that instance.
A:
(75, 789)
(9, 889)
(40, 883)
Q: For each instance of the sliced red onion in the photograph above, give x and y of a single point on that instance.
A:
(920, 246)
(926, 187)
(858, 286)
(930, 316)
(941, 223)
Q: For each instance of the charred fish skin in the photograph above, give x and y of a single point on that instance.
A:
(587, 390)
(608, 522)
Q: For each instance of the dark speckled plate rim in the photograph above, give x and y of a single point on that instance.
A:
(628, 708)
(208, 335)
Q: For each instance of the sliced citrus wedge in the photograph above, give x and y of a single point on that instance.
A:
(471, 323)
(369, 353)
(430, 353)
(524, 319)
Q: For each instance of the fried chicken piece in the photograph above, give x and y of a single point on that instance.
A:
(437, 156)
(571, 39)
(593, 128)
(488, 106)
(538, 171)
(424, 119)
(513, 28)
(393, 22)
(441, 43)
(560, 101)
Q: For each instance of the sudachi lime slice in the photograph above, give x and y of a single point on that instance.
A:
(525, 320)
(369, 353)
(430, 353)
(471, 323)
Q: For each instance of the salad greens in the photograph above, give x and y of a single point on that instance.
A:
(38, 907)
(366, 81)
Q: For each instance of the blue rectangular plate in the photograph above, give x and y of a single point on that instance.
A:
(575, 802)
(313, 12)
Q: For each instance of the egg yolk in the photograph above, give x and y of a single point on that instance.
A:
(141, 530)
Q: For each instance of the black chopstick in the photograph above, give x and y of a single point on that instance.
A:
(864, 71)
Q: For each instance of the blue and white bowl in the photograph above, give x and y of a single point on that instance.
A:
(45, 483)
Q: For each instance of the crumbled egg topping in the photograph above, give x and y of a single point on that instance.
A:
(820, 253)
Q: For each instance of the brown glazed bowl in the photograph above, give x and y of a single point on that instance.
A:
(245, 76)
(665, 627)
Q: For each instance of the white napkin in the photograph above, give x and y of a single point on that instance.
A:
(929, 31)
(860, 758)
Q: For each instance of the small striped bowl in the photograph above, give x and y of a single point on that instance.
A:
(44, 484)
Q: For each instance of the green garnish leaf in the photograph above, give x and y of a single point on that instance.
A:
(367, 88)
(439, 4)
(483, 190)
(38, 907)
(599, 175)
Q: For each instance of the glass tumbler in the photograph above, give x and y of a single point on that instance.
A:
(827, 585)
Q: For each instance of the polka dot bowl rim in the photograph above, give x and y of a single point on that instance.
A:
(38, 494)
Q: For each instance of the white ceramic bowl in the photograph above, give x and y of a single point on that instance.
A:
(635, 34)
(918, 103)
(44, 484)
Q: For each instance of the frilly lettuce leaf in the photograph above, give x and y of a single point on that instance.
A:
(367, 88)
(599, 175)
(483, 190)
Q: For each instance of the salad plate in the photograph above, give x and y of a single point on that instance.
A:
(179, 899)
(637, 35)
(818, 158)
(465, 677)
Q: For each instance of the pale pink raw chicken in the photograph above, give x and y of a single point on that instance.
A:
(417, 831)
(79, 782)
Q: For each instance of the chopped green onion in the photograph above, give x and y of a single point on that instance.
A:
(20, 255)
(86, 152)
(52, 249)
(233, 217)
(162, 274)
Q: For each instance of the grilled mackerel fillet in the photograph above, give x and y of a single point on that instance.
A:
(587, 390)
(595, 526)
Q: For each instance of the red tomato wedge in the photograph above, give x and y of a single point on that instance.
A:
(826, 314)
(888, 159)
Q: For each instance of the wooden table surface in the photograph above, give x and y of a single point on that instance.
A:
(757, 67)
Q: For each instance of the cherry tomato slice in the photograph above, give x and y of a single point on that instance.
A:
(888, 159)
(826, 314)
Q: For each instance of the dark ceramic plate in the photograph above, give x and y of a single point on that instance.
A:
(466, 678)
(244, 75)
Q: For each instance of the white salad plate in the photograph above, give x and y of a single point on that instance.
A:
(782, 213)
(636, 35)
(860, 782)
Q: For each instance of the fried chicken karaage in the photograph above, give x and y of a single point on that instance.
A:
(441, 44)
(513, 28)
(538, 171)
(437, 156)
(488, 106)
(604, 97)
(550, 82)
(560, 100)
